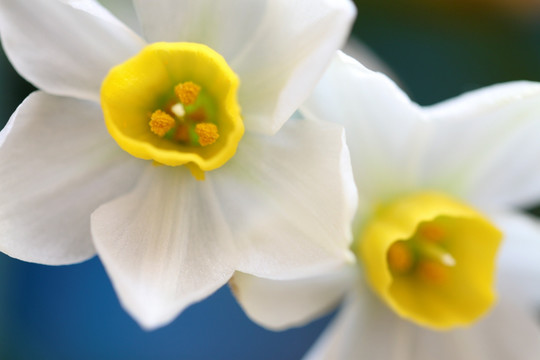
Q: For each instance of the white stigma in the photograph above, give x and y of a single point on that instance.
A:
(448, 260)
(178, 110)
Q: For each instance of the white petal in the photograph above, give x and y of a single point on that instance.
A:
(519, 256)
(279, 48)
(347, 336)
(225, 25)
(124, 10)
(484, 147)
(366, 329)
(508, 332)
(65, 47)
(383, 126)
(57, 164)
(289, 200)
(286, 57)
(280, 304)
(165, 245)
(367, 57)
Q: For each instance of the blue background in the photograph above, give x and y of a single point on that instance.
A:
(71, 312)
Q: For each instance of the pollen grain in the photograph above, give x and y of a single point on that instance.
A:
(433, 272)
(431, 232)
(400, 258)
(208, 133)
(187, 92)
(161, 122)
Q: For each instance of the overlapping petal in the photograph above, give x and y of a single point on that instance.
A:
(165, 245)
(383, 127)
(173, 240)
(72, 57)
(209, 22)
(270, 211)
(289, 200)
(58, 164)
(282, 304)
(279, 52)
(367, 329)
(483, 145)
(519, 256)
(480, 146)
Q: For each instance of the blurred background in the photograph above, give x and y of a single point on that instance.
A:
(434, 49)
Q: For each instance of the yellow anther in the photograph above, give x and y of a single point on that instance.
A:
(400, 258)
(431, 232)
(433, 272)
(187, 92)
(208, 133)
(161, 122)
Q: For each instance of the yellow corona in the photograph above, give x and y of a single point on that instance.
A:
(431, 259)
(175, 104)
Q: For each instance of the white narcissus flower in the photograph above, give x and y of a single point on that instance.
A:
(437, 187)
(208, 88)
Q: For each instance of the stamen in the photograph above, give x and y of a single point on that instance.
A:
(198, 115)
(400, 258)
(182, 133)
(208, 133)
(436, 253)
(433, 272)
(431, 232)
(187, 92)
(161, 122)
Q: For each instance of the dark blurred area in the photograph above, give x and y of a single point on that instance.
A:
(440, 49)
(437, 49)
(13, 89)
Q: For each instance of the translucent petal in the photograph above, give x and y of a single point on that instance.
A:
(481, 145)
(280, 304)
(165, 245)
(58, 164)
(383, 128)
(289, 200)
(78, 42)
(366, 329)
(279, 48)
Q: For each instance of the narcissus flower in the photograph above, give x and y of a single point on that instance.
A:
(436, 187)
(171, 144)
